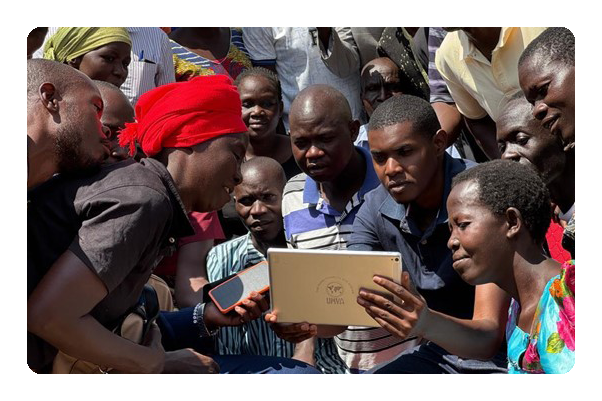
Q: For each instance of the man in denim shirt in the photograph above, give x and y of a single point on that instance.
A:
(407, 214)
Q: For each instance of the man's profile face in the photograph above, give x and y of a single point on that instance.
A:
(404, 160)
(117, 112)
(322, 142)
(522, 138)
(79, 136)
(379, 82)
(258, 203)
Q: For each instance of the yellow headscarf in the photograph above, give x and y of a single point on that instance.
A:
(69, 43)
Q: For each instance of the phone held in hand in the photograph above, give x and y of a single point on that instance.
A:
(232, 292)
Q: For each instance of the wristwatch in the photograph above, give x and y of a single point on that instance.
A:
(198, 318)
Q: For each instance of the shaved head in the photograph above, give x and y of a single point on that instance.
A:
(117, 107)
(116, 113)
(322, 132)
(380, 79)
(107, 88)
(62, 76)
(378, 64)
(322, 100)
(259, 201)
(63, 121)
(266, 168)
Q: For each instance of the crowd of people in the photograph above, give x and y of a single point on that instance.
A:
(163, 161)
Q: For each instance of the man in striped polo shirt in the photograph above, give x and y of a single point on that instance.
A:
(258, 204)
(319, 205)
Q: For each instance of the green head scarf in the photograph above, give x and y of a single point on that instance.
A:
(69, 43)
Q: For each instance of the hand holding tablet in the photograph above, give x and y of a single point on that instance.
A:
(321, 287)
(404, 316)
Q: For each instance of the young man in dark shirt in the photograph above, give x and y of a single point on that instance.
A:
(407, 214)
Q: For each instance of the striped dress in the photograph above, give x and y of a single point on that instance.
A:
(310, 223)
(256, 337)
(189, 64)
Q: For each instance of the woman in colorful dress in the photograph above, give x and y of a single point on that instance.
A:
(499, 213)
(208, 51)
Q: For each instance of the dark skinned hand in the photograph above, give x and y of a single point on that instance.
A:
(251, 309)
(404, 317)
(291, 332)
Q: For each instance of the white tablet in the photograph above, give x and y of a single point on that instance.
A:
(321, 287)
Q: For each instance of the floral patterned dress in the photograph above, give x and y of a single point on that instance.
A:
(188, 64)
(550, 347)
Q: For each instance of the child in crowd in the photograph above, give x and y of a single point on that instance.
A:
(502, 209)
(262, 108)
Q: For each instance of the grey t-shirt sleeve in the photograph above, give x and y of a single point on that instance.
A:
(121, 227)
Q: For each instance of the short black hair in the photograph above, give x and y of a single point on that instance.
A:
(555, 44)
(504, 184)
(261, 72)
(402, 108)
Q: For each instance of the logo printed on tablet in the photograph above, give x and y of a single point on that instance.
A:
(334, 289)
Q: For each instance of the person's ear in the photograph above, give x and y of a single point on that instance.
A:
(354, 128)
(440, 141)
(514, 222)
(49, 97)
(280, 109)
(75, 62)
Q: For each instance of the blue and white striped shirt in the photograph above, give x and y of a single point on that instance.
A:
(310, 222)
(256, 337)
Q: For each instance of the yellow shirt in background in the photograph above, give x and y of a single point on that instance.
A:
(480, 87)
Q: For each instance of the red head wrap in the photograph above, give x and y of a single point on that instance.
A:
(184, 114)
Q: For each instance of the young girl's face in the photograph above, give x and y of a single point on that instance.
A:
(478, 242)
(261, 108)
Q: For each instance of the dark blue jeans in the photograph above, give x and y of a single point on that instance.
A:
(257, 364)
(178, 331)
(431, 358)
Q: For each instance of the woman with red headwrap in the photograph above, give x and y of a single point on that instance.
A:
(185, 270)
(123, 219)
